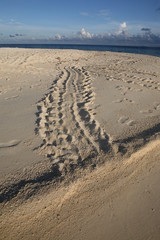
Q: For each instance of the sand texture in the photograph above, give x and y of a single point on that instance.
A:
(79, 145)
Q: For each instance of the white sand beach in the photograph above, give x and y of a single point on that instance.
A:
(79, 145)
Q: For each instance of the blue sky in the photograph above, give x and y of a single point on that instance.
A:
(87, 21)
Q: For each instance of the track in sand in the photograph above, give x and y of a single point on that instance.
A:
(66, 121)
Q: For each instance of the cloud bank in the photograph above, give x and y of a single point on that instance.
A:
(121, 36)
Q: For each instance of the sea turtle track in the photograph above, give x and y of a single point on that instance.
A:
(66, 121)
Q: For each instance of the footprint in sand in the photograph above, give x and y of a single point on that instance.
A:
(147, 111)
(139, 90)
(122, 100)
(129, 81)
(118, 101)
(123, 120)
(11, 143)
(8, 98)
(128, 100)
(127, 121)
(131, 123)
(156, 106)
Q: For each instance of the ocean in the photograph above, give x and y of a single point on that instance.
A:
(154, 51)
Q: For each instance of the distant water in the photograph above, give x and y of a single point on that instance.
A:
(154, 51)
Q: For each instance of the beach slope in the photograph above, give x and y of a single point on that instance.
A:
(79, 145)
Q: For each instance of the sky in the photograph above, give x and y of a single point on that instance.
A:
(123, 22)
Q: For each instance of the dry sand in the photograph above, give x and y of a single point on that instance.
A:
(79, 145)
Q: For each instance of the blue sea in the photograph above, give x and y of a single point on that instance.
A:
(154, 51)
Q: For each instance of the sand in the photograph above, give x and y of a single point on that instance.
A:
(79, 145)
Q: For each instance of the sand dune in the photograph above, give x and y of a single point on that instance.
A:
(74, 158)
(117, 201)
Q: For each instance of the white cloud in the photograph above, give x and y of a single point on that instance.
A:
(58, 37)
(123, 25)
(84, 34)
(122, 28)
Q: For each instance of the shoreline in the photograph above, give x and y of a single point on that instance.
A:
(141, 50)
